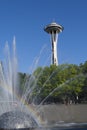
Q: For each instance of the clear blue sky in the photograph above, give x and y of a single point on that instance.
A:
(25, 19)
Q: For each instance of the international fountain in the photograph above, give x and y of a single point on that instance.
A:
(14, 112)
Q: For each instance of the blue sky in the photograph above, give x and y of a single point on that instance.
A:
(25, 19)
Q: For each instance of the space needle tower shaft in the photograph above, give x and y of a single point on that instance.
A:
(54, 29)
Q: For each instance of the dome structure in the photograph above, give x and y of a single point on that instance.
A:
(16, 120)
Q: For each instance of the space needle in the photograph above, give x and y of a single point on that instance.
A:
(54, 29)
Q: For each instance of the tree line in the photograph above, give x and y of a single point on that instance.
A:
(65, 83)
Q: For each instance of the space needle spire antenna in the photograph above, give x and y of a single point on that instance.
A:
(54, 29)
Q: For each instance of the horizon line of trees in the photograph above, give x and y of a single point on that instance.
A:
(55, 84)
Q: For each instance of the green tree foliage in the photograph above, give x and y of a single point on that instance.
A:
(83, 67)
(56, 83)
(23, 77)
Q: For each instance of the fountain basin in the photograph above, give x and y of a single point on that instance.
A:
(17, 120)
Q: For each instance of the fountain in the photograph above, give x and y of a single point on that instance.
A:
(15, 113)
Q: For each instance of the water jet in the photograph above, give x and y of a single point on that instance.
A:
(15, 113)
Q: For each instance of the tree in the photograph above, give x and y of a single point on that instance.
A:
(56, 83)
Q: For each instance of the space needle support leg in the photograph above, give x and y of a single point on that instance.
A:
(54, 37)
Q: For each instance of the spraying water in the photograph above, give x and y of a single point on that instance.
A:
(13, 109)
(10, 103)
